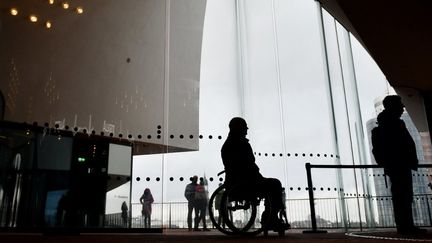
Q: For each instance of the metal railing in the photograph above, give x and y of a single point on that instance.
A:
(173, 214)
(313, 218)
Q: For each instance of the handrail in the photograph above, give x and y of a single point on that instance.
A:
(309, 166)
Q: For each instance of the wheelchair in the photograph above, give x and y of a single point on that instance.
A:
(238, 211)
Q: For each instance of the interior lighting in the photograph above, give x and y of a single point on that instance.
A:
(79, 10)
(51, 2)
(14, 11)
(65, 5)
(33, 18)
(48, 25)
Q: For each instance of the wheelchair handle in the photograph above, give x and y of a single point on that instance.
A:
(220, 173)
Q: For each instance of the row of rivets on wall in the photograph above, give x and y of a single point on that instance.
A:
(130, 136)
(181, 136)
(180, 179)
(290, 188)
(296, 155)
(418, 175)
(221, 179)
(391, 199)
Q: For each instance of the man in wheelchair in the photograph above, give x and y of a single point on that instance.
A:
(242, 173)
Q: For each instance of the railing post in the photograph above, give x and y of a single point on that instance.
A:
(311, 202)
(169, 224)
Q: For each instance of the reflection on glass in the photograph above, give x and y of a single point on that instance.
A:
(55, 210)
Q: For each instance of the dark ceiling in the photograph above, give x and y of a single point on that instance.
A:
(397, 34)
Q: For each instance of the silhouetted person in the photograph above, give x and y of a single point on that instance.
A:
(62, 206)
(124, 213)
(242, 172)
(147, 200)
(190, 196)
(218, 200)
(201, 202)
(394, 149)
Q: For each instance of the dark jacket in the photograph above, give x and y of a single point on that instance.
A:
(239, 161)
(146, 201)
(190, 192)
(393, 146)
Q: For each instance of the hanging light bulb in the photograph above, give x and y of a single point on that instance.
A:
(14, 11)
(51, 2)
(48, 24)
(79, 10)
(65, 5)
(33, 18)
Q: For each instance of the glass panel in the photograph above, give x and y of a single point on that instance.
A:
(218, 103)
(17, 151)
(53, 178)
(269, 80)
(147, 174)
(117, 199)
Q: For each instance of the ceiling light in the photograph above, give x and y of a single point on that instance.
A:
(79, 10)
(33, 18)
(51, 1)
(65, 5)
(48, 25)
(14, 11)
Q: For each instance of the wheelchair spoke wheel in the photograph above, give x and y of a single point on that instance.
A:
(240, 214)
(215, 211)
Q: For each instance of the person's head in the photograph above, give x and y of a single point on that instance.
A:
(194, 179)
(393, 104)
(146, 191)
(238, 126)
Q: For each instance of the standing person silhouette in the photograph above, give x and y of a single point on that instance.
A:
(242, 172)
(190, 196)
(201, 202)
(146, 200)
(124, 213)
(394, 149)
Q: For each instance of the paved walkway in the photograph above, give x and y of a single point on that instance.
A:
(215, 236)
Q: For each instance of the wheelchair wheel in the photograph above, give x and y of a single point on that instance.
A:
(215, 212)
(240, 212)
